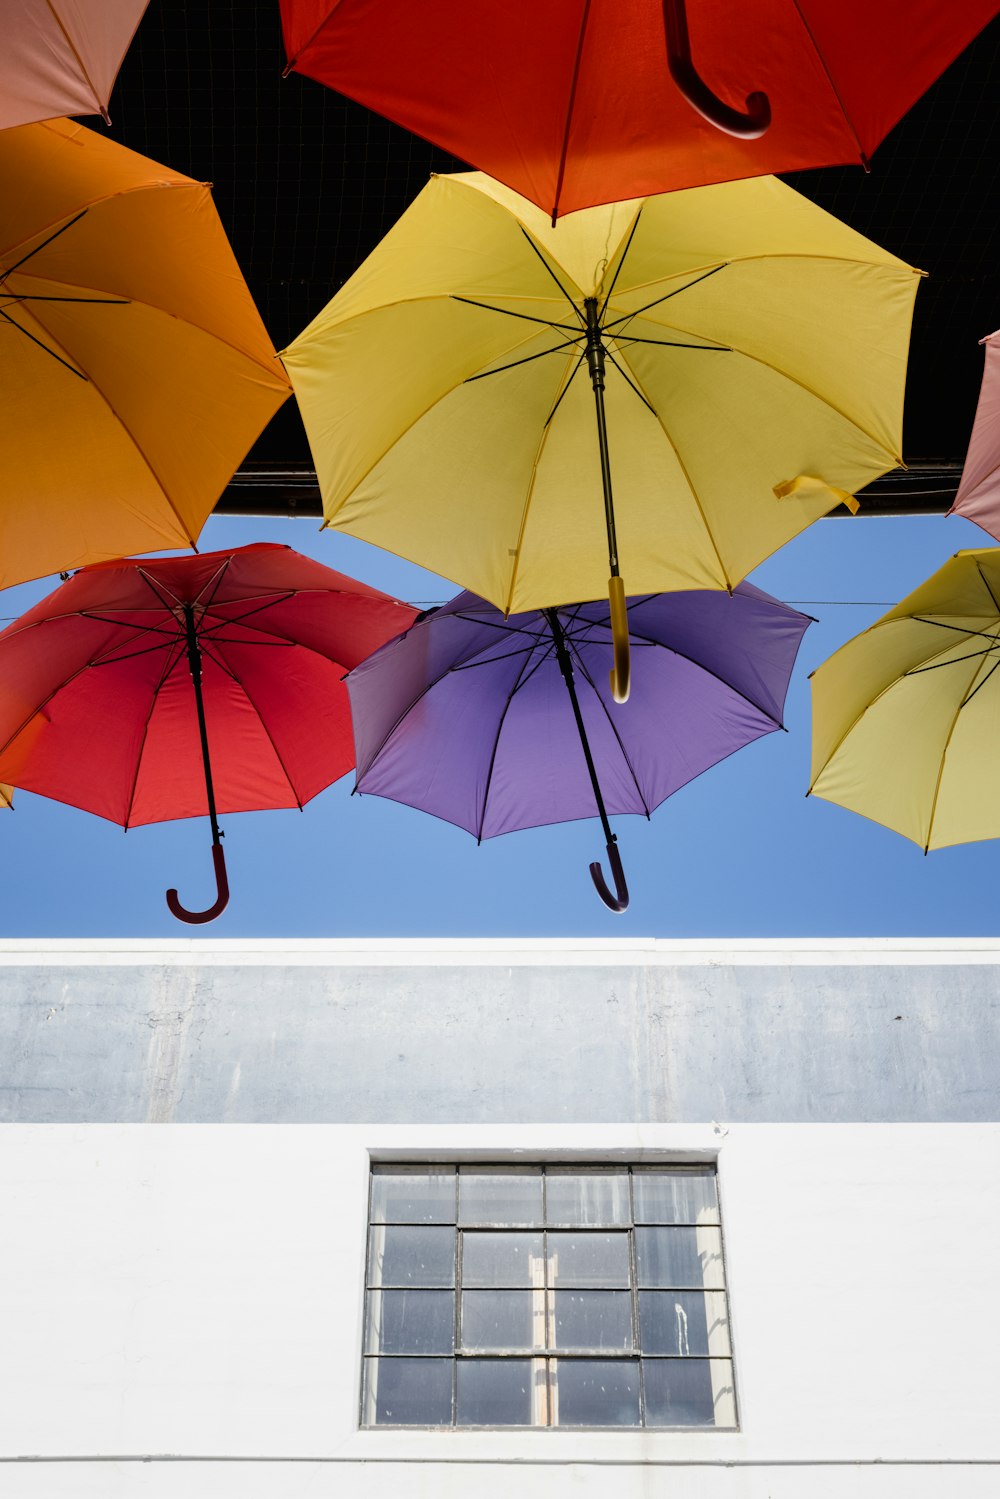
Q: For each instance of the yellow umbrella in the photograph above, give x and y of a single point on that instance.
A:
(135, 371)
(743, 353)
(906, 716)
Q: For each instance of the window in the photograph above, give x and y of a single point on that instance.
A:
(546, 1296)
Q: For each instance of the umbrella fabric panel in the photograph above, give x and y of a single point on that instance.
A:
(40, 531)
(138, 372)
(891, 767)
(113, 422)
(97, 704)
(122, 741)
(746, 638)
(645, 752)
(439, 755)
(147, 233)
(904, 715)
(407, 668)
(482, 418)
(978, 495)
(467, 716)
(967, 805)
(495, 83)
(861, 672)
(83, 743)
(275, 742)
(61, 57)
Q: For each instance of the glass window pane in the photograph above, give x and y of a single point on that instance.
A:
(419, 1196)
(679, 1257)
(683, 1323)
(502, 1259)
(689, 1392)
(588, 1259)
(411, 1322)
(501, 1392)
(408, 1391)
(592, 1319)
(582, 1198)
(503, 1319)
(411, 1256)
(595, 1392)
(500, 1196)
(675, 1196)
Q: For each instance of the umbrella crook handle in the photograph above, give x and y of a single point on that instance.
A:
(597, 875)
(195, 918)
(621, 672)
(747, 126)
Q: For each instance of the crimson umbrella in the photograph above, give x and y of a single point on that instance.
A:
(170, 687)
(499, 723)
(576, 102)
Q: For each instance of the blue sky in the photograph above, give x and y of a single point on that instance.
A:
(740, 852)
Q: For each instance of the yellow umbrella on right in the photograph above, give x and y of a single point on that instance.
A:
(906, 716)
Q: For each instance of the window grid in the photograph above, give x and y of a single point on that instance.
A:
(547, 1358)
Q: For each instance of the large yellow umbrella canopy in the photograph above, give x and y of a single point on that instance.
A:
(906, 716)
(135, 371)
(754, 354)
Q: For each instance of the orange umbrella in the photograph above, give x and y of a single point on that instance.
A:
(135, 371)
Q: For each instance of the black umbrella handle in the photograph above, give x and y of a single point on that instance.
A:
(620, 903)
(746, 126)
(195, 918)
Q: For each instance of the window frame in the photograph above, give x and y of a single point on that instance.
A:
(525, 1162)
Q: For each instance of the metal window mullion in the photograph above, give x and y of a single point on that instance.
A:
(633, 1272)
(457, 1323)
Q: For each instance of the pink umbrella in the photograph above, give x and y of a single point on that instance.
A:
(978, 495)
(61, 57)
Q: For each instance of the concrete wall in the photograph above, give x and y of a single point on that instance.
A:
(180, 1309)
(479, 1032)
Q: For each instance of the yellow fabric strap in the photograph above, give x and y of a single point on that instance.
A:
(808, 487)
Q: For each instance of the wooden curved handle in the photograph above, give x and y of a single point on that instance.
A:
(619, 901)
(196, 918)
(621, 673)
(746, 126)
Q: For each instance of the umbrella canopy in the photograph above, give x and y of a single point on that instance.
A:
(167, 688)
(574, 103)
(497, 724)
(136, 371)
(61, 57)
(906, 716)
(978, 494)
(665, 391)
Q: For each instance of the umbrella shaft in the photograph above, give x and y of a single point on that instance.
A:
(595, 363)
(194, 661)
(566, 667)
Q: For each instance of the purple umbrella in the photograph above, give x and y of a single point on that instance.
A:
(478, 720)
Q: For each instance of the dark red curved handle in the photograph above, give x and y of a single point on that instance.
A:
(195, 918)
(613, 903)
(696, 91)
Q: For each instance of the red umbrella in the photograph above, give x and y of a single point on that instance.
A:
(572, 102)
(171, 687)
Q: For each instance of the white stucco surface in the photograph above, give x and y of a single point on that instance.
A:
(188, 1301)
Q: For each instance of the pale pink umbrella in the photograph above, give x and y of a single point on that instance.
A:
(61, 57)
(978, 495)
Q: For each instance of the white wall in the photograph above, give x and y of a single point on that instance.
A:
(196, 1292)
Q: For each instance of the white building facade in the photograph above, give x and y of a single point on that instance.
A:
(765, 1171)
